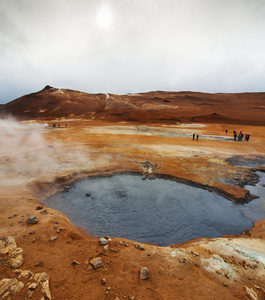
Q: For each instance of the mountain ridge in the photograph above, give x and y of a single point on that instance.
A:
(153, 106)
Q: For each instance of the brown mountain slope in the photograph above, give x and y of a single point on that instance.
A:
(53, 103)
(50, 103)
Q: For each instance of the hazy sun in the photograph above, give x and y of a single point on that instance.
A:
(104, 17)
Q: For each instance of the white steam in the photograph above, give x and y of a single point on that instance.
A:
(29, 151)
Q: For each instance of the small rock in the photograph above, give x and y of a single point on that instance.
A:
(6, 284)
(32, 232)
(32, 220)
(41, 277)
(195, 253)
(113, 250)
(75, 262)
(124, 244)
(16, 258)
(131, 298)
(13, 216)
(44, 212)
(25, 274)
(263, 290)
(251, 293)
(53, 238)
(88, 194)
(32, 286)
(144, 274)
(39, 207)
(39, 264)
(46, 290)
(139, 247)
(106, 248)
(103, 281)
(30, 294)
(116, 298)
(96, 262)
(103, 241)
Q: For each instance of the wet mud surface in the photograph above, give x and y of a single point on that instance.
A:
(159, 211)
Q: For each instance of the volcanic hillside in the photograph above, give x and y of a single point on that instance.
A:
(52, 103)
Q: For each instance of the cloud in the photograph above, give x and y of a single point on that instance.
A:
(212, 46)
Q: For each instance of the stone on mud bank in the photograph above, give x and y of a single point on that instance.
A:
(144, 274)
(103, 241)
(139, 247)
(32, 220)
(96, 262)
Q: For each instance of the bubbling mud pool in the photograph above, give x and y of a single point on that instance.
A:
(157, 211)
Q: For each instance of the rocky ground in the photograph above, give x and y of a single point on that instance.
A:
(48, 159)
(48, 257)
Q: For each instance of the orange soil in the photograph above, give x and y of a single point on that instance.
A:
(104, 147)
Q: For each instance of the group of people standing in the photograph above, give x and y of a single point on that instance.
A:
(241, 136)
(195, 136)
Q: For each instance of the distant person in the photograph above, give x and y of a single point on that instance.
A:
(197, 137)
(235, 136)
(193, 136)
(226, 131)
(239, 137)
(247, 138)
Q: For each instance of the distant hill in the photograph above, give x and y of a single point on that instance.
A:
(53, 103)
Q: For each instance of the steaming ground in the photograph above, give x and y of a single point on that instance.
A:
(200, 269)
(27, 152)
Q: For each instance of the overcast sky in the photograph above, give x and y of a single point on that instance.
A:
(127, 46)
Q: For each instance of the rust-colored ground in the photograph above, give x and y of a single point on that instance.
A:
(51, 159)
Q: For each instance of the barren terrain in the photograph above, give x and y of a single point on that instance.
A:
(150, 134)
